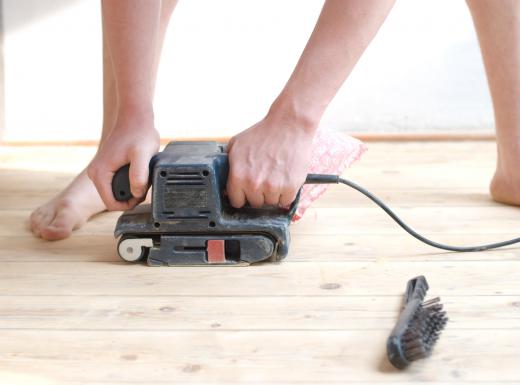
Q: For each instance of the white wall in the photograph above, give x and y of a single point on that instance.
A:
(224, 62)
(52, 69)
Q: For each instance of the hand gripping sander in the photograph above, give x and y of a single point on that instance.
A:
(190, 221)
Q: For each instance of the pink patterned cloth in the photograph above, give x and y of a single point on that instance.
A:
(332, 153)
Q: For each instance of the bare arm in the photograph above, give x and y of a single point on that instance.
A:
(269, 161)
(132, 30)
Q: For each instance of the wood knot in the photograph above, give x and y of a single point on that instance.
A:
(191, 368)
(330, 286)
(167, 309)
(129, 357)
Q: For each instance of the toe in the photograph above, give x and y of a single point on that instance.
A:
(67, 211)
(55, 233)
(32, 224)
(61, 226)
(40, 218)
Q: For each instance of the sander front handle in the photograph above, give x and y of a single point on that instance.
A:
(121, 181)
(122, 193)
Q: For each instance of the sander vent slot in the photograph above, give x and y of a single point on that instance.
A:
(185, 178)
(188, 217)
(184, 175)
(185, 182)
(202, 214)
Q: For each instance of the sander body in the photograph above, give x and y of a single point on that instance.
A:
(190, 220)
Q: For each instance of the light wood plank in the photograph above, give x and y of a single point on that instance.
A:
(177, 313)
(236, 357)
(72, 313)
(296, 279)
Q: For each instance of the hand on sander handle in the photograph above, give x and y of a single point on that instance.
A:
(121, 181)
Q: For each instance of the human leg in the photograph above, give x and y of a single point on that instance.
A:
(498, 29)
(76, 203)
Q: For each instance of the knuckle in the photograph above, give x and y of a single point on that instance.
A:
(139, 180)
(134, 150)
(254, 183)
(271, 186)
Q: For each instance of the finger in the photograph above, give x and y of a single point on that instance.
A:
(288, 197)
(138, 174)
(254, 190)
(255, 198)
(272, 198)
(236, 195)
(103, 182)
(272, 192)
(230, 143)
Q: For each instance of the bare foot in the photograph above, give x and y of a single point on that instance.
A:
(505, 188)
(67, 211)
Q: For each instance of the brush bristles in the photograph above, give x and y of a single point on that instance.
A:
(423, 330)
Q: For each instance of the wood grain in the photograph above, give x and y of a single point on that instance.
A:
(71, 312)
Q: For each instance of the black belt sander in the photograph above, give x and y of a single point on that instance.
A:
(190, 221)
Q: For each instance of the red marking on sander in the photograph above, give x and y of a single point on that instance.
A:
(216, 251)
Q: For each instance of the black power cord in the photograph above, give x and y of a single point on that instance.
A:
(334, 179)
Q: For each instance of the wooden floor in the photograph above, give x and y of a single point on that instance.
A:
(72, 313)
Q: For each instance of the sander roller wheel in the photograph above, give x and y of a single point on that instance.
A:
(134, 249)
